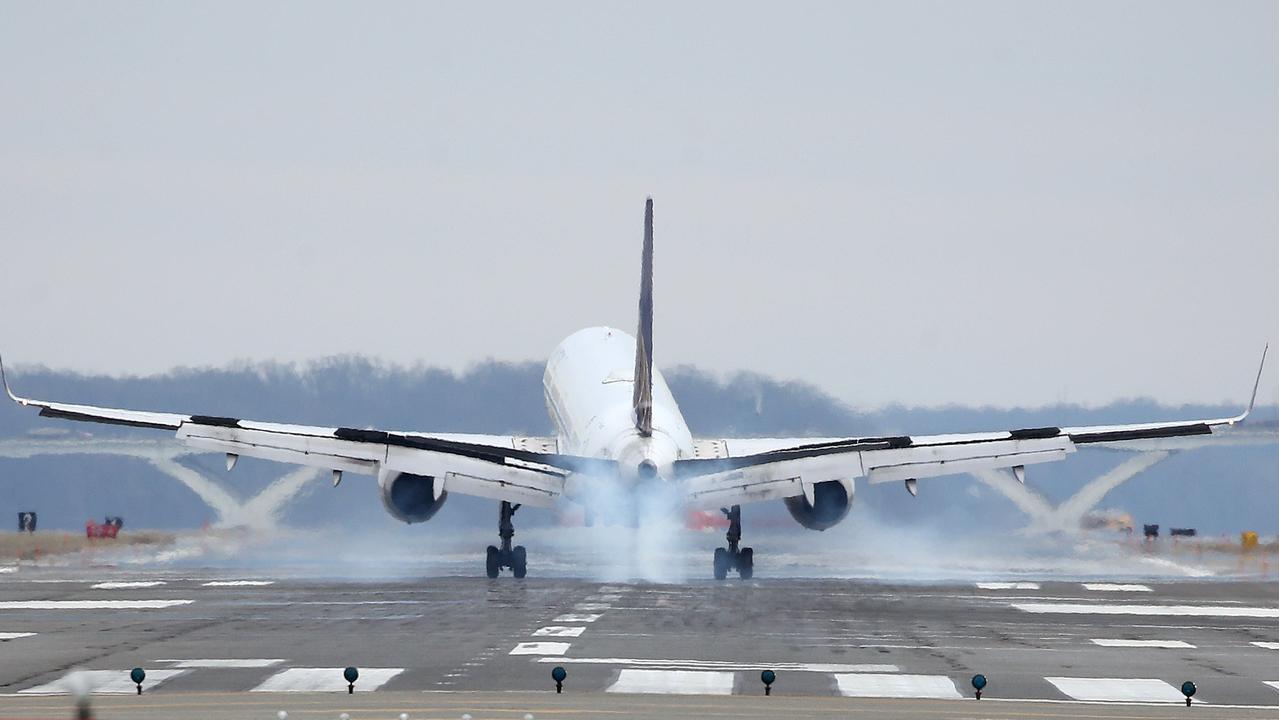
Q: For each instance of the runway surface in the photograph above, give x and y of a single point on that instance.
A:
(213, 640)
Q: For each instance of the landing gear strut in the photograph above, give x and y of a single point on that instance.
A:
(506, 556)
(731, 558)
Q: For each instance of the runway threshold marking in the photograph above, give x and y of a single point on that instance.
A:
(125, 585)
(1118, 689)
(1118, 642)
(938, 687)
(223, 663)
(91, 604)
(726, 665)
(1167, 610)
(325, 680)
(579, 617)
(1116, 587)
(540, 648)
(105, 682)
(673, 682)
(1007, 586)
(559, 631)
(7, 636)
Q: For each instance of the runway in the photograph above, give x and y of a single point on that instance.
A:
(210, 640)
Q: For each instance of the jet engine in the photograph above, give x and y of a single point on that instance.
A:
(831, 501)
(410, 498)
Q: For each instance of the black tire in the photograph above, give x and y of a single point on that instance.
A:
(746, 563)
(493, 563)
(519, 561)
(721, 563)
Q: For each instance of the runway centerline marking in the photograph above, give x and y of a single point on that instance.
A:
(1118, 689)
(237, 583)
(106, 682)
(224, 663)
(325, 679)
(125, 585)
(90, 604)
(1116, 642)
(558, 631)
(1115, 587)
(1007, 586)
(896, 686)
(540, 648)
(725, 665)
(1175, 610)
(579, 617)
(673, 682)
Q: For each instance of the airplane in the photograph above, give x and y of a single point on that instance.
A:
(616, 423)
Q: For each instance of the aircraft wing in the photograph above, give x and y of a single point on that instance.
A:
(733, 471)
(502, 467)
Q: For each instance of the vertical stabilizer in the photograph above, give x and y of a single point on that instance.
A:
(642, 400)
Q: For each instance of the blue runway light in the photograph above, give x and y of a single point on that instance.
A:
(558, 674)
(351, 674)
(1188, 689)
(137, 675)
(768, 677)
(979, 684)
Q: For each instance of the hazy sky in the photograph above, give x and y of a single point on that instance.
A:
(1003, 203)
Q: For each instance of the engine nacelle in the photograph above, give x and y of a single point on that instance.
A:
(410, 498)
(831, 501)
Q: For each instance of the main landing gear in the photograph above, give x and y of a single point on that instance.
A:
(731, 558)
(506, 557)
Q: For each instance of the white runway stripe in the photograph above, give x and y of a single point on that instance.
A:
(8, 569)
(6, 636)
(673, 682)
(1007, 586)
(106, 682)
(1167, 610)
(724, 665)
(1118, 689)
(540, 648)
(90, 604)
(558, 631)
(237, 583)
(223, 663)
(603, 598)
(1267, 645)
(126, 585)
(325, 680)
(1112, 587)
(1104, 642)
(896, 686)
(592, 607)
(579, 617)
(1273, 683)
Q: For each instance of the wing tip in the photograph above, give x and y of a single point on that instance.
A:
(5, 380)
(1257, 383)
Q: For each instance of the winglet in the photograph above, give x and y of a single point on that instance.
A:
(1257, 384)
(5, 380)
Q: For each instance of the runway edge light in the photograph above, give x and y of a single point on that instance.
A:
(351, 674)
(979, 684)
(768, 677)
(137, 675)
(558, 674)
(1188, 689)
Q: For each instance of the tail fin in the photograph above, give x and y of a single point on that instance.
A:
(642, 400)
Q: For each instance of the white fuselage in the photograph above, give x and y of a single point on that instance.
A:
(589, 386)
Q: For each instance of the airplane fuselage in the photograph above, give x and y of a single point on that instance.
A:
(588, 385)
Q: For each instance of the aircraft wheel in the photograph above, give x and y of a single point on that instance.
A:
(746, 563)
(721, 563)
(493, 562)
(519, 559)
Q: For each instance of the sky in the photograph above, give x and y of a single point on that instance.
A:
(1008, 204)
